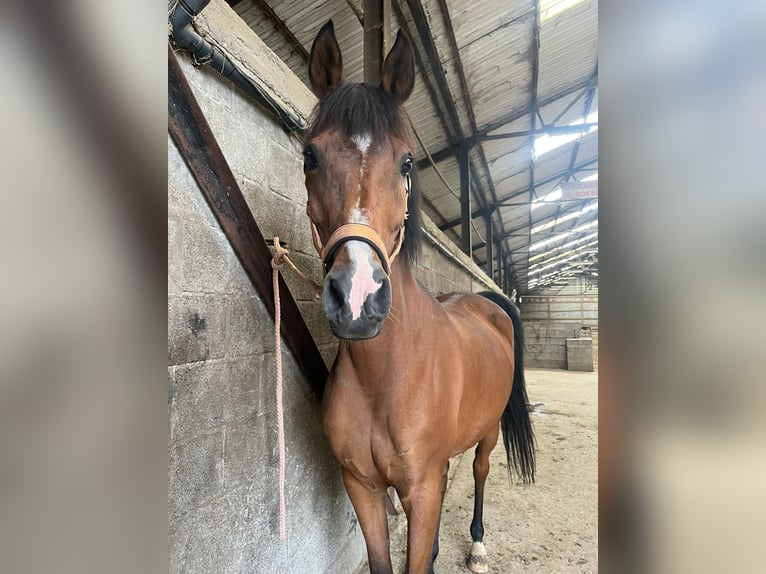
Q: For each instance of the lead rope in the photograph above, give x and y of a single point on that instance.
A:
(281, 256)
(275, 266)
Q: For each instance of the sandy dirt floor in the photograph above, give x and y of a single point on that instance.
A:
(549, 527)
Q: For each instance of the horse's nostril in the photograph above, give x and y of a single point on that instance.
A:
(334, 296)
(380, 303)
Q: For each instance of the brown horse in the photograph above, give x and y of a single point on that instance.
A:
(417, 380)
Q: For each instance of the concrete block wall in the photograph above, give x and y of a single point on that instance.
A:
(545, 343)
(550, 317)
(580, 354)
(443, 268)
(222, 447)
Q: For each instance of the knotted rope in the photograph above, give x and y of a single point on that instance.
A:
(281, 256)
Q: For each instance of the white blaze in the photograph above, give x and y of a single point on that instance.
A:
(358, 215)
(362, 142)
(362, 283)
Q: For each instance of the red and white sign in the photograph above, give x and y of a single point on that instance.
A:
(579, 189)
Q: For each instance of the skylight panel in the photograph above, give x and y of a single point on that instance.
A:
(547, 143)
(551, 8)
(565, 218)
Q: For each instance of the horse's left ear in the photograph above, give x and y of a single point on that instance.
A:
(325, 62)
(397, 78)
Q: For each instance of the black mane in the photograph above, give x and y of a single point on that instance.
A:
(357, 109)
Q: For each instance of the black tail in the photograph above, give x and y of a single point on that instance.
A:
(518, 436)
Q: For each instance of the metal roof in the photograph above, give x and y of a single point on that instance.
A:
(486, 69)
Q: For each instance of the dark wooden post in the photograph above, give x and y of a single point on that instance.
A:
(500, 258)
(465, 199)
(490, 241)
(377, 38)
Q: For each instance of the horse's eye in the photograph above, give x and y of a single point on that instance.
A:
(309, 159)
(407, 165)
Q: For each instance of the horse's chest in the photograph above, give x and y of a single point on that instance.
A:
(375, 458)
(376, 448)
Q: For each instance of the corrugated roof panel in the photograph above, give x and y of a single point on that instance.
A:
(555, 165)
(472, 20)
(520, 124)
(568, 47)
(440, 37)
(588, 148)
(498, 70)
(517, 221)
(505, 166)
(513, 184)
(499, 147)
(574, 112)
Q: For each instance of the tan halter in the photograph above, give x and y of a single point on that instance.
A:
(360, 232)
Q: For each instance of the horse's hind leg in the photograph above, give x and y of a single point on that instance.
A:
(477, 559)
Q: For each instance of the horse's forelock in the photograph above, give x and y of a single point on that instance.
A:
(359, 109)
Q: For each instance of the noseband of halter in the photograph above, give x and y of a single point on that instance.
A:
(360, 232)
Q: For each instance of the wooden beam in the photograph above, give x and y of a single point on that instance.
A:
(490, 244)
(545, 130)
(377, 33)
(420, 20)
(465, 200)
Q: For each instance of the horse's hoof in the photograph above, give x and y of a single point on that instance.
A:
(477, 559)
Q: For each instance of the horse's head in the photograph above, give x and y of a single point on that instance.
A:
(357, 162)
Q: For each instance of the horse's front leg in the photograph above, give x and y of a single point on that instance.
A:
(369, 503)
(421, 500)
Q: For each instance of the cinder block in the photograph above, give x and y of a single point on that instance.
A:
(313, 313)
(175, 255)
(212, 537)
(311, 266)
(207, 259)
(184, 196)
(580, 354)
(274, 215)
(564, 306)
(247, 461)
(426, 259)
(302, 242)
(249, 327)
(195, 328)
(195, 473)
(197, 402)
(286, 176)
(242, 389)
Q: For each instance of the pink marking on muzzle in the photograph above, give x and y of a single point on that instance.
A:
(362, 283)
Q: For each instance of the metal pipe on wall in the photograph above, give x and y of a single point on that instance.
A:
(180, 17)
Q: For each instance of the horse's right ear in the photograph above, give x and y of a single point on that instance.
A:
(325, 62)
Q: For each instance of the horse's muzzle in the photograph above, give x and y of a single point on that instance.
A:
(356, 303)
